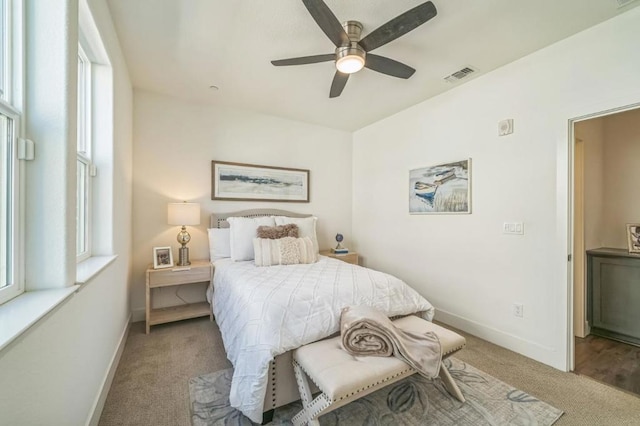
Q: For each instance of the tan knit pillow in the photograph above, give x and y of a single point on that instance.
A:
(277, 232)
(283, 251)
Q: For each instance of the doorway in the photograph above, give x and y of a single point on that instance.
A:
(604, 146)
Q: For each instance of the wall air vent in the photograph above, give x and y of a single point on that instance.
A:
(623, 3)
(459, 75)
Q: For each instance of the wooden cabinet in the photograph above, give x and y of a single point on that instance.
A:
(613, 294)
(351, 257)
(200, 271)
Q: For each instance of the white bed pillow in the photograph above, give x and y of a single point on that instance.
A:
(306, 227)
(243, 231)
(283, 251)
(219, 243)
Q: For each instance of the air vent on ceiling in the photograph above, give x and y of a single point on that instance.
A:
(459, 75)
(623, 3)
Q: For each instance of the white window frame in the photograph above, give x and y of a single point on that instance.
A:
(11, 62)
(14, 284)
(4, 52)
(84, 151)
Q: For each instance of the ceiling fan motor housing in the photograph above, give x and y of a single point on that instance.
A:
(353, 30)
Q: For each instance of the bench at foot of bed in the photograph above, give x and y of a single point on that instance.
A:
(343, 378)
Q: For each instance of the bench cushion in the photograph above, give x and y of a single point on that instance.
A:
(338, 374)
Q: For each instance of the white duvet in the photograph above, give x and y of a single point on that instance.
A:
(266, 311)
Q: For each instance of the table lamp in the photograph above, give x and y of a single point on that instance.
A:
(183, 214)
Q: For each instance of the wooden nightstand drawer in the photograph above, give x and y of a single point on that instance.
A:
(351, 257)
(167, 277)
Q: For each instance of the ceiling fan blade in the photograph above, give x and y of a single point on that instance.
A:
(399, 26)
(305, 60)
(388, 66)
(327, 21)
(339, 81)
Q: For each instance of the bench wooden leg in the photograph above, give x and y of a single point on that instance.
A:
(450, 384)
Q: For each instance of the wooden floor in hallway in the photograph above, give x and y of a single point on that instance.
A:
(609, 361)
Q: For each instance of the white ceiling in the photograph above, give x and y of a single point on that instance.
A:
(181, 47)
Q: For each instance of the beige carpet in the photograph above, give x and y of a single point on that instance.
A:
(151, 384)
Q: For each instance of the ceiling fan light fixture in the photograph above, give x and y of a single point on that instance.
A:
(350, 59)
(350, 64)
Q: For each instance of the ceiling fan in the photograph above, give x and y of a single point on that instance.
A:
(352, 53)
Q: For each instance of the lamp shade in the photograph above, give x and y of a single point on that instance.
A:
(183, 214)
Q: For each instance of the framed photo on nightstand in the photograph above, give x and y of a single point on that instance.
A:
(162, 257)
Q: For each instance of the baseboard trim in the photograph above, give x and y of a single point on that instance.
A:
(545, 354)
(98, 405)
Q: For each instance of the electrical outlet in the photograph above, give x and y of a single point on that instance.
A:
(518, 310)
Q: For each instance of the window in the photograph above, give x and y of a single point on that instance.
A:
(4, 48)
(10, 277)
(94, 236)
(84, 165)
(7, 168)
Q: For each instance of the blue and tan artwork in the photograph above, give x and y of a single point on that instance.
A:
(251, 182)
(444, 188)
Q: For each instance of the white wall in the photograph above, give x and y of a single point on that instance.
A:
(462, 263)
(174, 144)
(591, 132)
(622, 175)
(53, 374)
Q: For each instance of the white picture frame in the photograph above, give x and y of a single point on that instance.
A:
(441, 189)
(162, 257)
(633, 237)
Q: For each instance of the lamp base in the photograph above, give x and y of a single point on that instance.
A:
(183, 256)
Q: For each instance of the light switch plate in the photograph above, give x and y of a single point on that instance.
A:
(513, 228)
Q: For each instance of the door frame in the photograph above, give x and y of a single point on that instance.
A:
(570, 220)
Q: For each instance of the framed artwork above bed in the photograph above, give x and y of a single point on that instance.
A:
(249, 182)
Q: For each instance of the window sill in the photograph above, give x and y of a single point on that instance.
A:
(17, 315)
(89, 268)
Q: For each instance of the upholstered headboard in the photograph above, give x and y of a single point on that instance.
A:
(219, 220)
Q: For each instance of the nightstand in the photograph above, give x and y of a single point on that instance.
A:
(200, 271)
(351, 257)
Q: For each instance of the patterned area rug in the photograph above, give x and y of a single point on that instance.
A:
(412, 401)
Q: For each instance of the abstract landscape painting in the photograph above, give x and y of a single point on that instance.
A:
(237, 181)
(441, 189)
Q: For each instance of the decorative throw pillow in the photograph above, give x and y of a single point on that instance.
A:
(219, 243)
(275, 232)
(284, 251)
(243, 231)
(306, 226)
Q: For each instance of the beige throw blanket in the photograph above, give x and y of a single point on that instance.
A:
(366, 331)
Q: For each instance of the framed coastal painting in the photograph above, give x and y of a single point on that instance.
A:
(250, 182)
(633, 237)
(441, 189)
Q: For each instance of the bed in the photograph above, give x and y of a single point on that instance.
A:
(265, 312)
